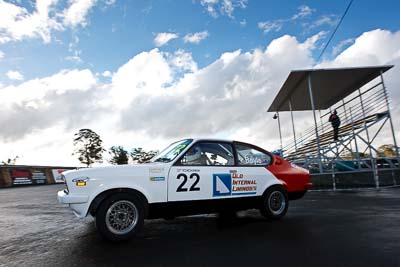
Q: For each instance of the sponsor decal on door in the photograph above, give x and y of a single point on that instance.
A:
(233, 183)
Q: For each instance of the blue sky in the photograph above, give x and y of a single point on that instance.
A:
(144, 73)
(116, 32)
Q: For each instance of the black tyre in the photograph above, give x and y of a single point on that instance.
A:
(275, 203)
(120, 216)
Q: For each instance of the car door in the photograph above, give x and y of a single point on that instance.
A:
(203, 172)
(252, 175)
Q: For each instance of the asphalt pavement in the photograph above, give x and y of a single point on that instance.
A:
(322, 229)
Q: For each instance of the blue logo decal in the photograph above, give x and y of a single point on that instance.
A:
(222, 184)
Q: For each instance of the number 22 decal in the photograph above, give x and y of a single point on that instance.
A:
(181, 187)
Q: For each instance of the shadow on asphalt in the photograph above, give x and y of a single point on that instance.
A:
(198, 240)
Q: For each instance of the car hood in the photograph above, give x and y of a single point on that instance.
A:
(120, 170)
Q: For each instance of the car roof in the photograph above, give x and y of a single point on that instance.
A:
(219, 140)
(211, 139)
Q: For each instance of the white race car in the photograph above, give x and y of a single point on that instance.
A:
(191, 176)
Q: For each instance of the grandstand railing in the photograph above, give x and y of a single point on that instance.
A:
(359, 113)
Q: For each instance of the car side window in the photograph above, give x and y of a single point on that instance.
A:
(247, 155)
(209, 154)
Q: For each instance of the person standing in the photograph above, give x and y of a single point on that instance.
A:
(335, 121)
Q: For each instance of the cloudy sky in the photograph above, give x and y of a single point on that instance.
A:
(145, 73)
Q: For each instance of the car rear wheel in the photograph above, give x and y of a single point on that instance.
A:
(274, 203)
(120, 216)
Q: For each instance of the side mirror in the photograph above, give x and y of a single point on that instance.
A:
(278, 161)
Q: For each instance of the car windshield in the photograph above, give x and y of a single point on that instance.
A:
(172, 151)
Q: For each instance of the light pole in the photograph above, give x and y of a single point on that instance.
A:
(276, 116)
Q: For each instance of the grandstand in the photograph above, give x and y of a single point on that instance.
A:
(360, 97)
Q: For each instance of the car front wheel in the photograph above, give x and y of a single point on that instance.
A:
(120, 216)
(274, 203)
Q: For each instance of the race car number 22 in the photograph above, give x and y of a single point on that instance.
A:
(183, 187)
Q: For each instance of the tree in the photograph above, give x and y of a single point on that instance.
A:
(353, 155)
(88, 147)
(119, 155)
(140, 156)
(387, 150)
(10, 161)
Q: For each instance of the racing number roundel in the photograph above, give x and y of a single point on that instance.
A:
(185, 186)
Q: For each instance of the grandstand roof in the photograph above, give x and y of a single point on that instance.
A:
(328, 85)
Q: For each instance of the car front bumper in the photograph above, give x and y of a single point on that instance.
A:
(78, 203)
(65, 198)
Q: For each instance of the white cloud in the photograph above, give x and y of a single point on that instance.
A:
(75, 57)
(339, 47)
(35, 105)
(310, 43)
(144, 74)
(1, 54)
(157, 97)
(330, 20)
(73, 44)
(110, 2)
(15, 75)
(75, 53)
(238, 84)
(17, 23)
(304, 11)
(276, 25)
(268, 26)
(107, 74)
(182, 61)
(37, 89)
(195, 38)
(163, 38)
(375, 47)
(222, 7)
(209, 5)
(76, 14)
(304, 15)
